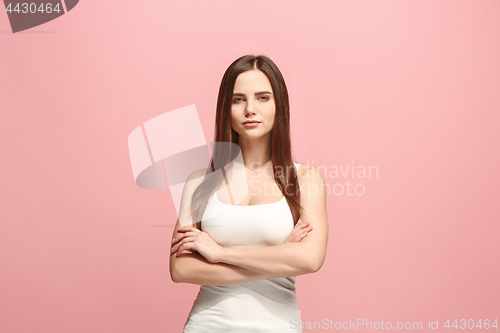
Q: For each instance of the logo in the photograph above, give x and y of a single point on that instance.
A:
(32, 13)
(166, 150)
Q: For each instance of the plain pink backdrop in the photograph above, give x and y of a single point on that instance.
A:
(410, 87)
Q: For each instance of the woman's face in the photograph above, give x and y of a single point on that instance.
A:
(253, 100)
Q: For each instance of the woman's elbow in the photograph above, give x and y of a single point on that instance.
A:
(175, 277)
(175, 272)
(316, 264)
(311, 259)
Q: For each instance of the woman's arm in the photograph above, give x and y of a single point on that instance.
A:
(191, 267)
(288, 259)
(292, 259)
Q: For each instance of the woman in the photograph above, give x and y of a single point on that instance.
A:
(244, 248)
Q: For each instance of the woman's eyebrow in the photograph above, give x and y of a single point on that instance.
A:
(257, 93)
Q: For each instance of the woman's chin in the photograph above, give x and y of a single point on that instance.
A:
(253, 135)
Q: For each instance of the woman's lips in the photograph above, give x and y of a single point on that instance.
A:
(253, 124)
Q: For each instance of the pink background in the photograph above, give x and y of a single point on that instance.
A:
(408, 86)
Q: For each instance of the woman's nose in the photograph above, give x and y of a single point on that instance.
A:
(250, 106)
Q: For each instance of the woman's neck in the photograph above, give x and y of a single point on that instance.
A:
(257, 152)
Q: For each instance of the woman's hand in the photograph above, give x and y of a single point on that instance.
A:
(194, 239)
(299, 232)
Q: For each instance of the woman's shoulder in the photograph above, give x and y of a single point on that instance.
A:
(195, 179)
(298, 167)
(197, 174)
(309, 171)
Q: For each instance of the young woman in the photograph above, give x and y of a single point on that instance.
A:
(244, 234)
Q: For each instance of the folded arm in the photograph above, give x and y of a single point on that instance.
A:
(194, 268)
(288, 259)
(191, 267)
(292, 259)
(207, 268)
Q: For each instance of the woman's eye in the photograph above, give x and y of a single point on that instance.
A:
(236, 100)
(265, 98)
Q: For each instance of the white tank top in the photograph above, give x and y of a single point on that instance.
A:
(267, 305)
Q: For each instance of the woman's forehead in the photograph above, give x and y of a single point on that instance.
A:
(252, 80)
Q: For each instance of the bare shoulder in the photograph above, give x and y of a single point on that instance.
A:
(309, 172)
(197, 174)
(195, 179)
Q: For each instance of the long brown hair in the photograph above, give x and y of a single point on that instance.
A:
(283, 169)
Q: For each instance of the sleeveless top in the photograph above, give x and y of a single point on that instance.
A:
(264, 306)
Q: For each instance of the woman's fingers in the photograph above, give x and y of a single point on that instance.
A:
(300, 234)
(299, 231)
(300, 228)
(177, 246)
(185, 247)
(302, 224)
(182, 236)
(299, 237)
